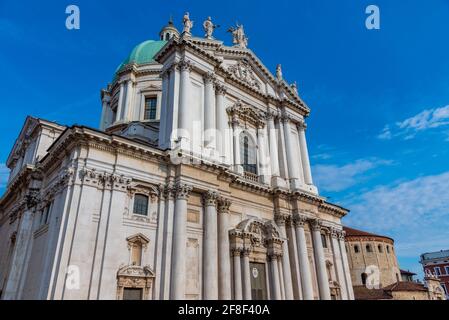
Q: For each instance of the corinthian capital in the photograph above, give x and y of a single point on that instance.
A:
(335, 233)
(299, 219)
(316, 225)
(302, 126)
(285, 118)
(209, 77)
(185, 65)
(223, 205)
(210, 198)
(281, 219)
(220, 88)
(183, 191)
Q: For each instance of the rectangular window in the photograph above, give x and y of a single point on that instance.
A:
(444, 288)
(437, 271)
(141, 204)
(323, 240)
(132, 293)
(150, 108)
(447, 269)
(45, 215)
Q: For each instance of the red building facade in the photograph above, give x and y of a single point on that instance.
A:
(437, 263)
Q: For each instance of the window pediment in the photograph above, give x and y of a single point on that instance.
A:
(246, 115)
(138, 238)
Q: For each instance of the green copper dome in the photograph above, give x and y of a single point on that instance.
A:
(143, 53)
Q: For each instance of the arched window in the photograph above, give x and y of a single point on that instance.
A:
(356, 249)
(248, 154)
(364, 276)
(140, 204)
(379, 248)
(167, 36)
(388, 249)
(369, 248)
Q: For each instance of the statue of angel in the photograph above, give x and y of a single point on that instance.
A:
(239, 37)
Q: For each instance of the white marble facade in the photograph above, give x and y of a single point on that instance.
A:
(196, 186)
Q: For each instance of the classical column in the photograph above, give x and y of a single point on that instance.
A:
(236, 254)
(159, 244)
(222, 124)
(210, 258)
(163, 123)
(129, 94)
(120, 102)
(347, 271)
(304, 154)
(276, 285)
(262, 156)
(274, 152)
(104, 111)
(209, 112)
(170, 194)
(339, 263)
(246, 275)
(236, 143)
(184, 124)
(178, 272)
(292, 161)
(303, 257)
(323, 281)
(293, 256)
(281, 278)
(22, 244)
(286, 270)
(224, 262)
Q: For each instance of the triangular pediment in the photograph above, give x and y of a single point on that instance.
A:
(21, 141)
(239, 64)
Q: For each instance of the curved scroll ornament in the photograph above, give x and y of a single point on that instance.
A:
(260, 233)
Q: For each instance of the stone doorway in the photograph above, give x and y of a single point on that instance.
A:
(258, 281)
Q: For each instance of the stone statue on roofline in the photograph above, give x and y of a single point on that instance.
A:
(209, 28)
(188, 24)
(279, 72)
(239, 37)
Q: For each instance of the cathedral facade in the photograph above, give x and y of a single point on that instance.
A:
(196, 186)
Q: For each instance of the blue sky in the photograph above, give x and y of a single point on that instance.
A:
(379, 129)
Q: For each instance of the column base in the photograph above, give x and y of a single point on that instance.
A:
(311, 188)
(238, 168)
(278, 182)
(296, 185)
(264, 179)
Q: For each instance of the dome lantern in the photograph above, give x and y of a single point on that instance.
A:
(169, 31)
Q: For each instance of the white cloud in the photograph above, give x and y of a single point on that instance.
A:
(385, 134)
(337, 178)
(4, 174)
(425, 120)
(415, 213)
